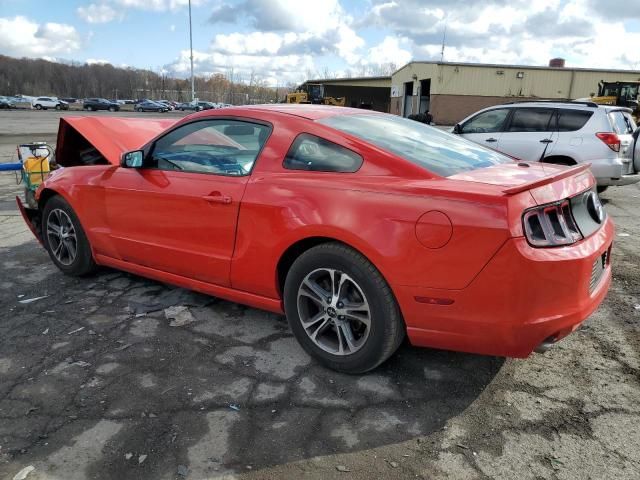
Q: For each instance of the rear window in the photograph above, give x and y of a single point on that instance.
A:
(622, 122)
(572, 120)
(435, 150)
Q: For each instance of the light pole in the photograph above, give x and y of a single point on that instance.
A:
(193, 90)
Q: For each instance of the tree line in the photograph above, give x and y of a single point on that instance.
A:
(39, 77)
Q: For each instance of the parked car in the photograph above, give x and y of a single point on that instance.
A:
(636, 150)
(565, 133)
(166, 103)
(93, 104)
(360, 226)
(43, 103)
(197, 106)
(189, 106)
(150, 106)
(6, 102)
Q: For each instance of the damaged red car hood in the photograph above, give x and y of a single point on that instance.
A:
(112, 136)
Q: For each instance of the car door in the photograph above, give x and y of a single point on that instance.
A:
(486, 127)
(529, 134)
(178, 213)
(636, 150)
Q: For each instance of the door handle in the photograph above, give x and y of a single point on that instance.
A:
(491, 140)
(546, 140)
(217, 197)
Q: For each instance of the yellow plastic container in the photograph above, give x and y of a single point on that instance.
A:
(36, 169)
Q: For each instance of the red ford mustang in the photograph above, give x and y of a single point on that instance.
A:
(360, 226)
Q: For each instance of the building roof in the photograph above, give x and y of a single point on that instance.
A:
(521, 67)
(346, 79)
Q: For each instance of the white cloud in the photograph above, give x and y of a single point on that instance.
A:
(273, 70)
(507, 31)
(158, 5)
(21, 37)
(97, 13)
(172, 28)
(96, 61)
(390, 50)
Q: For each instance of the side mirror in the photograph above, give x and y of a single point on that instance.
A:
(457, 129)
(132, 159)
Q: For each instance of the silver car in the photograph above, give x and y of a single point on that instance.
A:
(564, 133)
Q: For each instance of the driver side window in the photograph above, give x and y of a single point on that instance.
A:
(486, 122)
(221, 147)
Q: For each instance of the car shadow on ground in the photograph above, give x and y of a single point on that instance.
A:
(94, 378)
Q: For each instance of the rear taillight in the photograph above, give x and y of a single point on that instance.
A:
(551, 225)
(611, 140)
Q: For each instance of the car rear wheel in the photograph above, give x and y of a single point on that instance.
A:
(341, 309)
(112, 109)
(65, 239)
(139, 109)
(58, 107)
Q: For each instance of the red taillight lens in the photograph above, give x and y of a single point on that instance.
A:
(610, 139)
(551, 225)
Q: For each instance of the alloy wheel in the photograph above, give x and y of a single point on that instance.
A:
(61, 236)
(334, 311)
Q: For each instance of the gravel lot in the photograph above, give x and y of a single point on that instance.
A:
(95, 383)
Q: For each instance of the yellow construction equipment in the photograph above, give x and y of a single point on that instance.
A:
(298, 97)
(622, 94)
(314, 94)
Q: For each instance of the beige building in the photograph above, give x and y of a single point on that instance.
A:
(451, 91)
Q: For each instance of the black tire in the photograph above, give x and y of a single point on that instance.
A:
(83, 262)
(601, 188)
(112, 109)
(139, 109)
(387, 329)
(38, 107)
(58, 107)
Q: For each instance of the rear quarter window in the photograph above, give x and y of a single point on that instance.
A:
(622, 122)
(572, 120)
(316, 154)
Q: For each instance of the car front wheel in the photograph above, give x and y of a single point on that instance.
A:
(64, 238)
(57, 107)
(38, 107)
(341, 309)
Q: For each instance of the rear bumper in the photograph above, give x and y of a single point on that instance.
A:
(523, 297)
(614, 172)
(622, 180)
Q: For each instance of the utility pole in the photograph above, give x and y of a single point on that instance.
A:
(193, 90)
(444, 37)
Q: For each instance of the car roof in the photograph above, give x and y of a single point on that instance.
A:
(308, 111)
(588, 106)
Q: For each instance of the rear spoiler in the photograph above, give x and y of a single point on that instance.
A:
(569, 172)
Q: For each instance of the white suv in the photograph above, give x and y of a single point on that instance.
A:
(42, 103)
(564, 133)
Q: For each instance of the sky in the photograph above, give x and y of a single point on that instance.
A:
(282, 42)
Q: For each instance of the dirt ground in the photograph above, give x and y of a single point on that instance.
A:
(96, 383)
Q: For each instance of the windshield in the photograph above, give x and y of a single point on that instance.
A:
(437, 151)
